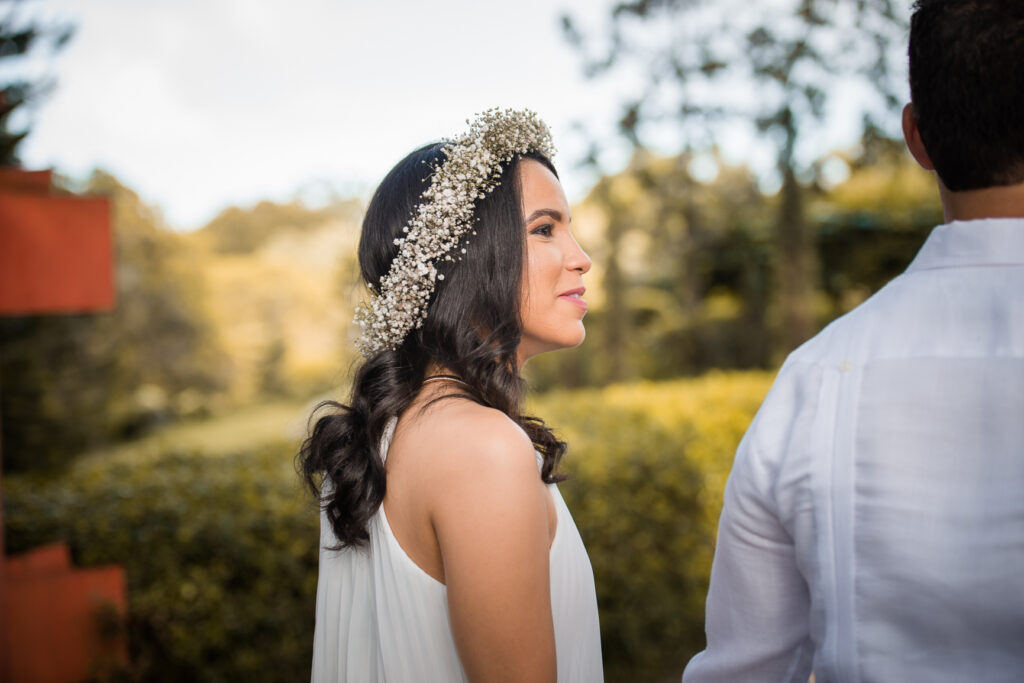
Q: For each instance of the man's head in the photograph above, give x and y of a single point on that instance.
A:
(967, 90)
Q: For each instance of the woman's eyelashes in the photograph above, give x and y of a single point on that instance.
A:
(545, 230)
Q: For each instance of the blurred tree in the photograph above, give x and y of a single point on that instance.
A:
(683, 268)
(283, 282)
(871, 226)
(271, 371)
(237, 230)
(18, 39)
(770, 66)
(74, 381)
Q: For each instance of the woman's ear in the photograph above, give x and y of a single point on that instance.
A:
(913, 137)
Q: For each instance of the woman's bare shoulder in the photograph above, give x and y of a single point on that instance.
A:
(459, 441)
(456, 433)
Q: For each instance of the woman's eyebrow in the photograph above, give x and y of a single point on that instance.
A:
(553, 213)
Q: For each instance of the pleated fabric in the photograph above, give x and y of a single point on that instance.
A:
(381, 619)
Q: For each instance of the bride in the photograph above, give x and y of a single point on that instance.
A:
(447, 552)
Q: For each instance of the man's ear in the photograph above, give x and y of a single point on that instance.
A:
(913, 137)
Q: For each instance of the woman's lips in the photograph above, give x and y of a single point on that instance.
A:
(575, 297)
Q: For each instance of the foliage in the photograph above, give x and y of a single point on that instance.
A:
(17, 40)
(770, 68)
(220, 554)
(221, 550)
(73, 381)
(647, 464)
(193, 330)
(871, 226)
(280, 297)
(682, 277)
(237, 230)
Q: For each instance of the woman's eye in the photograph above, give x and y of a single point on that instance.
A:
(543, 230)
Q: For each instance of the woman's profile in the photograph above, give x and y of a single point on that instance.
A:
(447, 552)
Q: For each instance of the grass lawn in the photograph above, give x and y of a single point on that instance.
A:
(242, 430)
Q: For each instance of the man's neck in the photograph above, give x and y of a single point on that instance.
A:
(991, 202)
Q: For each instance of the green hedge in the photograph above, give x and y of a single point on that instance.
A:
(648, 463)
(220, 554)
(221, 551)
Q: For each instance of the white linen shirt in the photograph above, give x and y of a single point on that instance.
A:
(873, 524)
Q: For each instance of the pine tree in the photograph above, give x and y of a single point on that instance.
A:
(19, 40)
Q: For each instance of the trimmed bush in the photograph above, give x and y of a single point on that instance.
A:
(220, 554)
(221, 551)
(648, 464)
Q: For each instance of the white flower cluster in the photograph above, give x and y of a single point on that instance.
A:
(444, 216)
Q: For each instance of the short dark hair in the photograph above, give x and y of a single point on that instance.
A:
(967, 89)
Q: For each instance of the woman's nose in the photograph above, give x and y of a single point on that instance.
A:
(578, 259)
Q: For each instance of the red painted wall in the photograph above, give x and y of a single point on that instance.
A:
(56, 256)
(56, 251)
(53, 626)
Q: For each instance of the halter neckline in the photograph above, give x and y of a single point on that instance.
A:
(441, 377)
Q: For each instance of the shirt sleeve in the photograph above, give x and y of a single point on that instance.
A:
(758, 605)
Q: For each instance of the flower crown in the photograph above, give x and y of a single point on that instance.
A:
(444, 216)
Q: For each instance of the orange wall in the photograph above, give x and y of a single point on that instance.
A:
(51, 627)
(56, 251)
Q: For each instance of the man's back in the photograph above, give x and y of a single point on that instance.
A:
(927, 465)
(874, 520)
(880, 489)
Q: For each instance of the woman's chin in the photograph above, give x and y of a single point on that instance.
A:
(566, 339)
(571, 337)
(579, 337)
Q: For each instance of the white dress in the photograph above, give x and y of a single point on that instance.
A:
(381, 619)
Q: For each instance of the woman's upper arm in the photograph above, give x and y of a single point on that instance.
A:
(491, 522)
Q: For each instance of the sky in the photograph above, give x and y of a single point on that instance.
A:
(202, 104)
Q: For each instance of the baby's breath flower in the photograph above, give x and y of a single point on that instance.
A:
(472, 166)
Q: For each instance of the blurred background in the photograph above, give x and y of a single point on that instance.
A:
(736, 173)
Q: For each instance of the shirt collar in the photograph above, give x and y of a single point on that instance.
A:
(983, 242)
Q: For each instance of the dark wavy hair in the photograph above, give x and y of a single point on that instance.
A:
(967, 89)
(479, 292)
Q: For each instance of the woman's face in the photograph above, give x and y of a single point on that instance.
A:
(552, 306)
